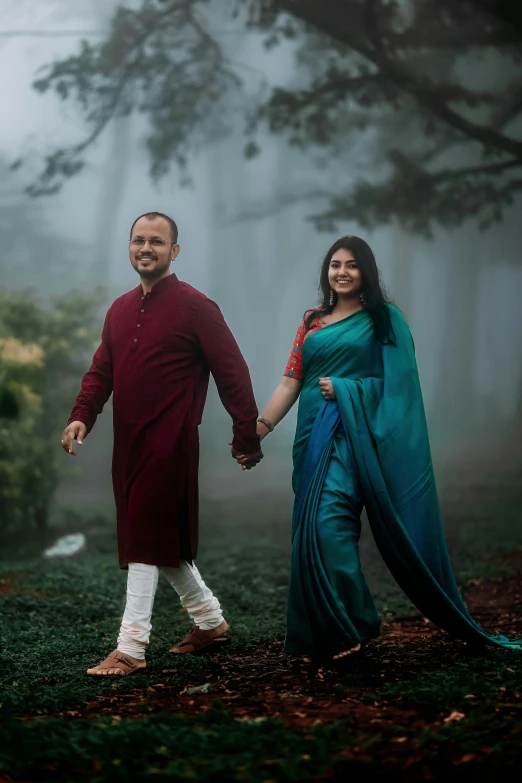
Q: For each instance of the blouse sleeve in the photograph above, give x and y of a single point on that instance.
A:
(294, 367)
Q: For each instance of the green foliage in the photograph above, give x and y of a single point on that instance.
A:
(83, 599)
(9, 404)
(493, 676)
(58, 618)
(42, 353)
(431, 90)
(214, 747)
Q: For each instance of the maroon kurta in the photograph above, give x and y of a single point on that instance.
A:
(155, 356)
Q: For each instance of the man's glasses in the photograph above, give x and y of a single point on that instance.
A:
(155, 242)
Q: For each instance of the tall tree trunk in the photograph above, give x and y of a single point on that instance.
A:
(113, 184)
(402, 269)
(454, 408)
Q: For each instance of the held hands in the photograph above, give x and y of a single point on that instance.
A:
(327, 389)
(247, 461)
(75, 431)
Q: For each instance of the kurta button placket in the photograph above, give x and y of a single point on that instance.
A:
(144, 297)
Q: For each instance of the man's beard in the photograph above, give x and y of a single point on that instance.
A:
(151, 272)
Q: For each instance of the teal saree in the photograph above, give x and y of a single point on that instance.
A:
(368, 447)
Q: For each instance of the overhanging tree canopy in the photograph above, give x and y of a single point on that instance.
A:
(438, 80)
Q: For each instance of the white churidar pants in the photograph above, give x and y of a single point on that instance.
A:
(142, 582)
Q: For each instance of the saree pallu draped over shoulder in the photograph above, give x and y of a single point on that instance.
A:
(379, 412)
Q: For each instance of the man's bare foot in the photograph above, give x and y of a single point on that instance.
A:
(198, 639)
(346, 653)
(117, 664)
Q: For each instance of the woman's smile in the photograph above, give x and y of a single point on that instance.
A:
(343, 262)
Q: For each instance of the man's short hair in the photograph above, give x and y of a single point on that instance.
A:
(153, 216)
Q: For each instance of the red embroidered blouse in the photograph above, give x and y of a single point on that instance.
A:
(294, 367)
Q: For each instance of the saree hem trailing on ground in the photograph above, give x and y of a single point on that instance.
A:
(379, 410)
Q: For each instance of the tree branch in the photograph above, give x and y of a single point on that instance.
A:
(339, 86)
(416, 38)
(374, 67)
(475, 171)
(331, 18)
(101, 81)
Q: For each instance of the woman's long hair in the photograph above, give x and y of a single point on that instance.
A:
(374, 294)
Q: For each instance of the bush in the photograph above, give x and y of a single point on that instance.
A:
(43, 353)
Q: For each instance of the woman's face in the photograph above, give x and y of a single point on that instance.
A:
(344, 274)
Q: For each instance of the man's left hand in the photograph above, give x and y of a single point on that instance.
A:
(247, 461)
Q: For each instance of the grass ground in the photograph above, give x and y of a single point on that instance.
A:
(416, 705)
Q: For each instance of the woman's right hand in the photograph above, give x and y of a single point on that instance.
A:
(327, 389)
(246, 461)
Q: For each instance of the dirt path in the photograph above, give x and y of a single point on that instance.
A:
(267, 683)
(386, 738)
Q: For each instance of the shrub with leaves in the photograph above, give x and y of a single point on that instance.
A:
(43, 351)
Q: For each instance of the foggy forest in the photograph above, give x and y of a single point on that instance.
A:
(267, 129)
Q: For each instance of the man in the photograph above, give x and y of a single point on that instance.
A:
(159, 343)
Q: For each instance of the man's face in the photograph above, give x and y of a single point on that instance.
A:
(151, 248)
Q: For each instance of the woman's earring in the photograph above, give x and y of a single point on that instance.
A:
(363, 300)
(331, 297)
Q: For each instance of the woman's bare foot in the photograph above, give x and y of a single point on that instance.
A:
(346, 653)
(117, 664)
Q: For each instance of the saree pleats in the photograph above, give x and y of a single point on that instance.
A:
(369, 447)
(329, 600)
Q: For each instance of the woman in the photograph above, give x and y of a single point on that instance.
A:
(361, 440)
